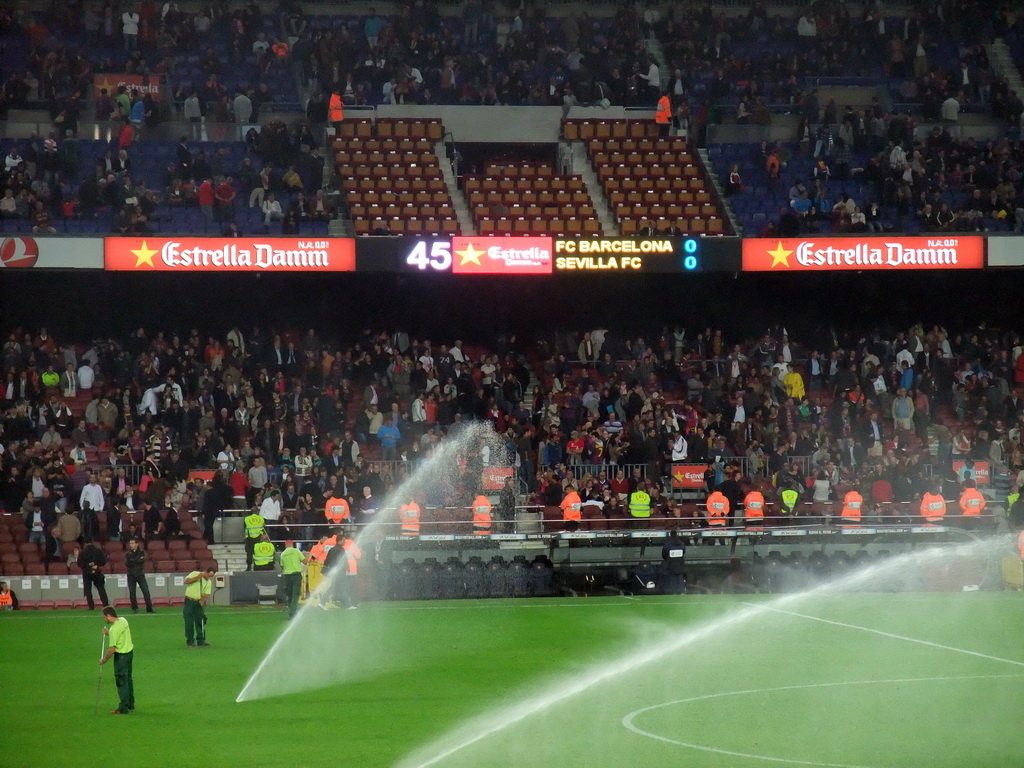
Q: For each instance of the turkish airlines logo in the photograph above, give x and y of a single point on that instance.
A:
(230, 254)
(502, 255)
(872, 253)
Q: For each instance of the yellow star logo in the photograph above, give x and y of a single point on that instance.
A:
(780, 255)
(144, 255)
(470, 254)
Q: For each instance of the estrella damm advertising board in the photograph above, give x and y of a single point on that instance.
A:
(896, 254)
(229, 254)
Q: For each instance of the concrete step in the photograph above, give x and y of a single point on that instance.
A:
(459, 201)
(581, 165)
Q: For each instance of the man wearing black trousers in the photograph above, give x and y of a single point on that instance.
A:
(91, 560)
(135, 562)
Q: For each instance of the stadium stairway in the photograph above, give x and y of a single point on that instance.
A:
(581, 165)
(230, 557)
(1002, 62)
(459, 202)
(716, 183)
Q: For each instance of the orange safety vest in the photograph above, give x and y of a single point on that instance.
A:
(6, 599)
(481, 515)
(334, 109)
(753, 507)
(664, 114)
(852, 503)
(933, 507)
(1020, 544)
(718, 508)
(318, 552)
(336, 510)
(410, 515)
(571, 506)
(280, 49)
(972, 503)
(352, 550)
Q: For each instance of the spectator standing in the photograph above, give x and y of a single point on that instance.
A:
(130, 29)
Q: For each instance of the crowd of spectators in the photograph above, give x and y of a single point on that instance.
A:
(116, 427)
(884, 413)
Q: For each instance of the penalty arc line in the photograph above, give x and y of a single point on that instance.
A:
(890, 635)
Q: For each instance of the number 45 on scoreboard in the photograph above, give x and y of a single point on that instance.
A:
(432, 254)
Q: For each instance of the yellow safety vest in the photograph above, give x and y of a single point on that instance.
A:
(253, 526)
(263, 553)
(640, 504)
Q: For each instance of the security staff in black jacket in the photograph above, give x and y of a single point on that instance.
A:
(135, 562)
(91, 560)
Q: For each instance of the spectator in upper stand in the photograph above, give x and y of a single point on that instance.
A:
(225, 200)
(951, 109)
(735, 183)
(372, 28)
(207, 200)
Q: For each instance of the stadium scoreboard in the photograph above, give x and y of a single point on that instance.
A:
(489, 255)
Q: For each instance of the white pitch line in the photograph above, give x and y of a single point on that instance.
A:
(628, 720)
(891, 635)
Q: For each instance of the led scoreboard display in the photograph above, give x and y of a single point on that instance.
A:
(629, 254)
(423, 255)
(540, 255)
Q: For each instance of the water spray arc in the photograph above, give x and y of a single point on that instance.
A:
(480, 728)
(287, 669)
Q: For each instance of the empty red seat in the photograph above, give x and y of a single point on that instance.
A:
(63, 604)
(166, 566)
(44, 605)
(58, 569)
(176, 544)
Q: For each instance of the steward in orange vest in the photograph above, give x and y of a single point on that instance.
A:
(663, 115)
(571, 505)
(1020, 544)
(481, 515)
(318, 552)
(753, 508)
(852, 504)
(336, 510)
(334, 109)
(972, 503)
(410, 516)
(933, 506)
(718, 509)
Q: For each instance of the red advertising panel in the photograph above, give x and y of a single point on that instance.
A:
(824, 254)
(228, 254)
(688, 475)
(141, 83)
(493, 478)
(978, 472)
(501, 255)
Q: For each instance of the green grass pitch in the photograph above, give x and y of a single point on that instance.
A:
(887, 681)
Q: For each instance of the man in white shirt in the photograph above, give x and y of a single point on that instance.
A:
(86, 376)
(92, 495)
(270, 509)
(456, 352)
(271, 210)
(951, 110)
(130, 29)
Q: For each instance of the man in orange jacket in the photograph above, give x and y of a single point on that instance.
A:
(852, 505)
(753, 508)
(663, 115)
(933, 505)
(717, 510)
